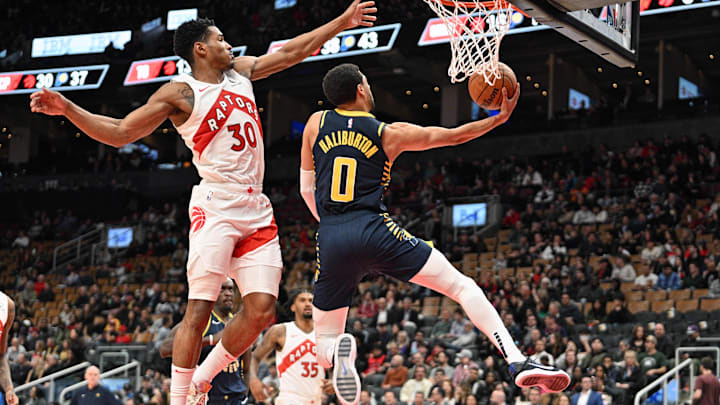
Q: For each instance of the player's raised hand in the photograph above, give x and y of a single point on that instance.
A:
(360, 14)
(508, 104)
(258, 389)
(48, 102)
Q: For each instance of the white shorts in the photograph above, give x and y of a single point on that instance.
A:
(232, 234)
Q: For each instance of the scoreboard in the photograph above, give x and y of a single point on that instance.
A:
(65, 78)
(352, 42)
(162, 69)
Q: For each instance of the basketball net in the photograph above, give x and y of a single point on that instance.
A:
(475, 29)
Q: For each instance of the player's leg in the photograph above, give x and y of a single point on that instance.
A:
(259, 288)
(339, 269)
(439, 275)
(202, 294)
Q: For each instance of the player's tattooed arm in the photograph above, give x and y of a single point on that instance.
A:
(188, 95)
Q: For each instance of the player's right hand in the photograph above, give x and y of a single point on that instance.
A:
(48, 102)
(508, 104)
(258, 389)
(11, 398)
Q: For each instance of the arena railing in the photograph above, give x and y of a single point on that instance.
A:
(664, 381)
(122, 369)
(51, 379)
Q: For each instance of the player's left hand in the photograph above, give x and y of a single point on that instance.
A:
(11, 398)
(360, 14)
(327, 387)
(508, 104)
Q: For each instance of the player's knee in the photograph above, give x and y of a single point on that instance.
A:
(261, 309)
(196, 316)
(465, 288)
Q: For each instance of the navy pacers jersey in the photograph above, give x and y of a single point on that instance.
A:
(356, 235)
(229, 382)
(351, 168)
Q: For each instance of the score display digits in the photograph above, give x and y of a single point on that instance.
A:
(63, 78)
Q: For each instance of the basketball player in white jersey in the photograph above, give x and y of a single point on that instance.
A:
(233, 232)
(7, 317)
(302, 380)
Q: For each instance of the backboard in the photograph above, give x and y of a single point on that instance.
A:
(606, 27)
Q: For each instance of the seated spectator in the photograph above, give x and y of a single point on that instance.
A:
(467, 338)
(462, 370)
(586, 396)
(442, 363)
(668, 279)
(541, 355)
(418, 384)
(652, 362)
(442, 327)
(396, 375)
(623, 271)
(619, 312)
(646, 280)
(630, 377)
(651, 252)
(596, 354)
(694, 279)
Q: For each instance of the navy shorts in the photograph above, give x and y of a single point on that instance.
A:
(352, 245)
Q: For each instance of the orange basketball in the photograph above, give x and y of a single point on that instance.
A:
(490, 96)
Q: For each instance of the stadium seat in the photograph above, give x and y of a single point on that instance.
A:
(625, 287)
(526, 271)
(658, 306)
(686, 305)
(695, 316)
(710, 305)
(656, 295)
(700, 292)
(638, 306)
(634, 296)
(677, 295)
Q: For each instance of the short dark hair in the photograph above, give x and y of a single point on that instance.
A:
(187, 34)
(707, 363)
(340, 83)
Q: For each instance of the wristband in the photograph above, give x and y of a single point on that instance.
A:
(211, 339)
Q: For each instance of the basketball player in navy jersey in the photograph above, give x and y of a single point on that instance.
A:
(230, 385)
(346, 160)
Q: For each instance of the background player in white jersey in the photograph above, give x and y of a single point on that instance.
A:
(7, 316)
(232, 229)
(302, 380)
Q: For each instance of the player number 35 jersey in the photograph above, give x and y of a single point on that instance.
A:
(224, 132)
(298, 369)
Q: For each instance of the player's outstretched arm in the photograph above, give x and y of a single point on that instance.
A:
(400, 137)
(307, 169)
(5, 379)
(268, 344)
(115, 132)
(304, 45)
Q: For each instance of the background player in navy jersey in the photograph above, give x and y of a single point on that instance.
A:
(346, 160)
(230, 385)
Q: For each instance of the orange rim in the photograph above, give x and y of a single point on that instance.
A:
(490, 5)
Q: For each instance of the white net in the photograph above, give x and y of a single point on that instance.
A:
(475, 29)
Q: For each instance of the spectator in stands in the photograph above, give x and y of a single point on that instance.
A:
(586, 396)
(389, 398)
(668, 279)
(542, 356)
(652, 362)
(694, 279)
(442, 327)
(20, 369)
(14, 350)
(646, 280)
(419, 383)
(583, 216)
(623, 271)
(462, 370)
(396, 375)
(497, 397)
(619, 312)
(596, 354)
(442, 363)
(569, 311)
(466, 338)
(368, 308)
(664, 345)
(630, 377)
(22, 241)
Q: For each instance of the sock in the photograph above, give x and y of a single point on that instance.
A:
(328, 326)
(179, 384)
(216, 360)
(438, 274)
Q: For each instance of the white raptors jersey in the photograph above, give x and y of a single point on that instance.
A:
(4, 312)
(298, 369)
(224, 132)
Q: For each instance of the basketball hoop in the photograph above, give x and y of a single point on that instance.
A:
(475, 29)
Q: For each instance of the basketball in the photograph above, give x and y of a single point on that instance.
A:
(490, 96)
